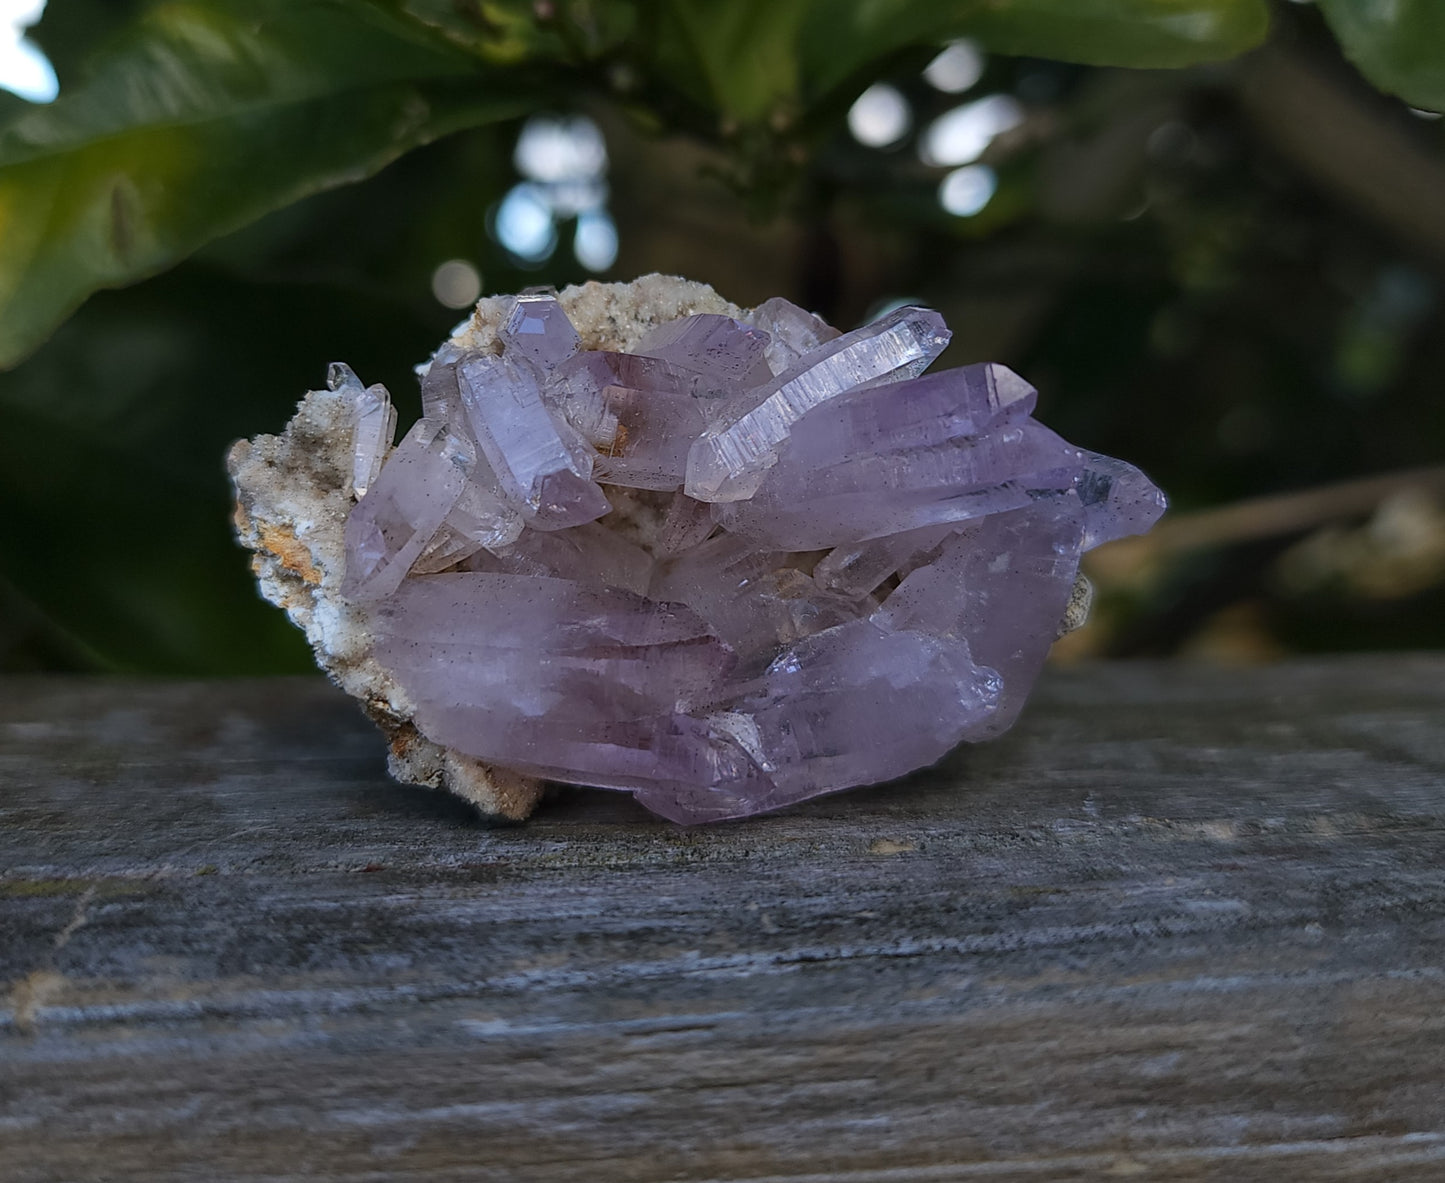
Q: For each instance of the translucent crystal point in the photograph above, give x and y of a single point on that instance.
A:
(541, 463)
(640, 413)
(480, 519)
(375, 424)
(440, 397)
(1001, 585)
(419, 484)
(830, 712)
(792, 332)
(728, 461)
(538, 330)
(686, 524)
(897, 457)
(1117, 499)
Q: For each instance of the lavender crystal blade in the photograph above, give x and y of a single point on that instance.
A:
(536, 672)
(724, 352)
(541, 464)
(730, 459)
(897, 457)
(1001, 585)
(640, 413)
(875, 496)
(419, 484)
(828, 715)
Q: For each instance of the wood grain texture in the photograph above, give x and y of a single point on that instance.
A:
(1180, 924)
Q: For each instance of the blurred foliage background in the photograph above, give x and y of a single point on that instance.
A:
(1212, 232)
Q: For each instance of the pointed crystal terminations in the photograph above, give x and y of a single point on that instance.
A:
(375, 424)
(536, 329)
(420, 483)
(886, 459)
(791, 332)
(728, 461)
(751, 561)
(640, 413)
(543, 465)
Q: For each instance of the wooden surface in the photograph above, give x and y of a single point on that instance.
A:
(1181, 924)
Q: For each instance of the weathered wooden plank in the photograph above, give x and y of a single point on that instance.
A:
(1181, 924)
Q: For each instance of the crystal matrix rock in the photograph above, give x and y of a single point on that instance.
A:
(722, 560)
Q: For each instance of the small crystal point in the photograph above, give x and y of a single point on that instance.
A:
(729, 460)
(440, 397)
(388, 530)
(538, 330)
(340, 376)
(481, 518)
(542, 465)
(792, 332)
(374, 424)
(372, 436)
(1118, 499)
(687, 524)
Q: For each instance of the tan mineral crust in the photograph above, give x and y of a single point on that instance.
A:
(294, 493)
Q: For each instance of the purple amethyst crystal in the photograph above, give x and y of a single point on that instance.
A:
(749, 562)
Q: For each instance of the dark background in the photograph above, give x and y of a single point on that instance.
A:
(1229, 274)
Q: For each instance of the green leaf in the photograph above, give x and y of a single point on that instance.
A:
(739, 57)
(510, 32)
(1399, 45)
(759, 60)
(203, 117)
(841, 37)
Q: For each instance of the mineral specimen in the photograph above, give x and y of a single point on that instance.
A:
(723, 561)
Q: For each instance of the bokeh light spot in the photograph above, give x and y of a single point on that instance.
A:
(595, 242)
(965, 191)
(555, 151)
(456, 284)
(958, 67)
(880, 116)
(960, 136)
(24, 68)
(523, 223)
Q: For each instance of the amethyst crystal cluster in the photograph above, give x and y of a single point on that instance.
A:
(752, 561)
